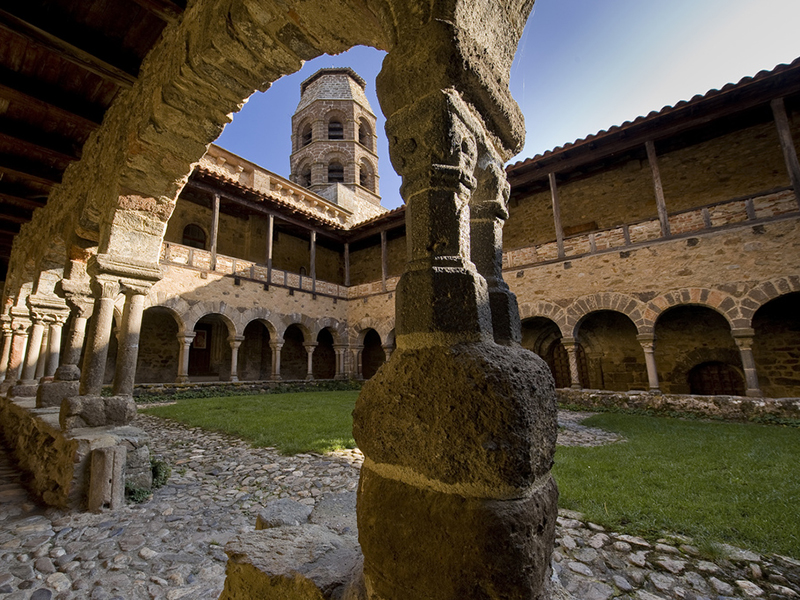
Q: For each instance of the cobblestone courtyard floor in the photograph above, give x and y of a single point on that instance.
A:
(172, 546)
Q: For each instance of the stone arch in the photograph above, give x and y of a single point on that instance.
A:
(763, 293)
(359, 330)
(195, 235)
(255, 352)
(338, 330)
(228, 315)
(542, 308)
(305, 323)
(366, 174)
(303, 172)
(335, 121)
(159, 348)
(716, 300)
(305, 133)
(542, 336)
(365, 134)
(581, 307)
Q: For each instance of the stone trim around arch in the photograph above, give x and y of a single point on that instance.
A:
(382, 326)
(230, 316)
(764, 293)
(717, 300)
(585, 305)
(548, 310)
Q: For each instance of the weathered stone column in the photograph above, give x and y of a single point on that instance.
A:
(276, 346)
(744, 340)
(648, 343)
(488, 212)
(34, 349)
(340, 350)
(42, 362)
(54, 347)
(359, 362)
(310, 347)
(128, 348)
(19, 343)
(99, 336)
(571, 346)
(235, 341)
(387, 351)
(185, 339)
(455, 498)
(8, 333)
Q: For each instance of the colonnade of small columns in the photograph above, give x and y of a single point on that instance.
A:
(744, 341)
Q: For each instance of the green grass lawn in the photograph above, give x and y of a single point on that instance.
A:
(716, 482)
(292, 423)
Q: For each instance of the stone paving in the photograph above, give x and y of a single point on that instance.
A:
(172, 546)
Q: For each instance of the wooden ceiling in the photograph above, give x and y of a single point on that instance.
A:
(62, 63)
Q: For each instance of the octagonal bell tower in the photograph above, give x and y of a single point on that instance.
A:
(334, 140)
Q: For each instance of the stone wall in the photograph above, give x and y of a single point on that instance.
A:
(724, 407)
(158, 347)
(777, 346)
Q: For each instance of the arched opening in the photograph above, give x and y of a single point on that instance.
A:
(542, 336)
(324, 358)
(159, 348)
(255, 353)
(365, 134)
(614, 357)
(715, 378)
(776, 347)
(304, 178)
(335, 172)
(210, 352)
(194, 236)
(294, 358)
(688, 336)
(366, 175)
(335, 130)
(306, 135)
(372, 356)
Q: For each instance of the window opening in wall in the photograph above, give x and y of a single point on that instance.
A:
(303, 271)
(715, 378)
(305, 136)
(194, 236)
(365, 176)
(335, 130)
(365, 135)
(305, 177)
(335, 173)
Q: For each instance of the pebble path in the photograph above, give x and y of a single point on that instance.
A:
(172, 546)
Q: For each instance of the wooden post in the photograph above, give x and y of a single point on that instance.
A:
(313, 262)
(557, 214)
(787, 144)
(346, 264)
(270, 237)
(214, 230)
(661, 205)
(384, 260)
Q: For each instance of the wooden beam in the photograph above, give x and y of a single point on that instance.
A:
(28, 174)
(21, 202)
(67, 51)
(45, 106)
(163, 9)
(36, 148)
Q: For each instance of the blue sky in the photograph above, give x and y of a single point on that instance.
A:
(581, 66)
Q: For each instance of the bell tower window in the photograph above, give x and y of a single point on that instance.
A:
(305, 136)
(335, 173)
(335, 130)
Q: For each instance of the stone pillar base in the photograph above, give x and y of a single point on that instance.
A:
(95, 411)
(52, 393)
(456, 501)
(477, 545)
(24, 390)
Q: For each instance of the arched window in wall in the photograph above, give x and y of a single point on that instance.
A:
(335, 130)
(366, 175)
(305, 135)
(304, 178)
(365, 134)
(335, 172)
(194, 236)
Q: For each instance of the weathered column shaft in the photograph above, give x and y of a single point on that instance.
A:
(94, 359)
(744, 341)
(54, 348)
(185, 340)
(310, 347)
(41, 364)
(34, 349)
(19, 343)
(72, 355)
(128, 352)
(571, 346)
(235, 342)
(648, 347)
(6, 352)
(276, 360)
